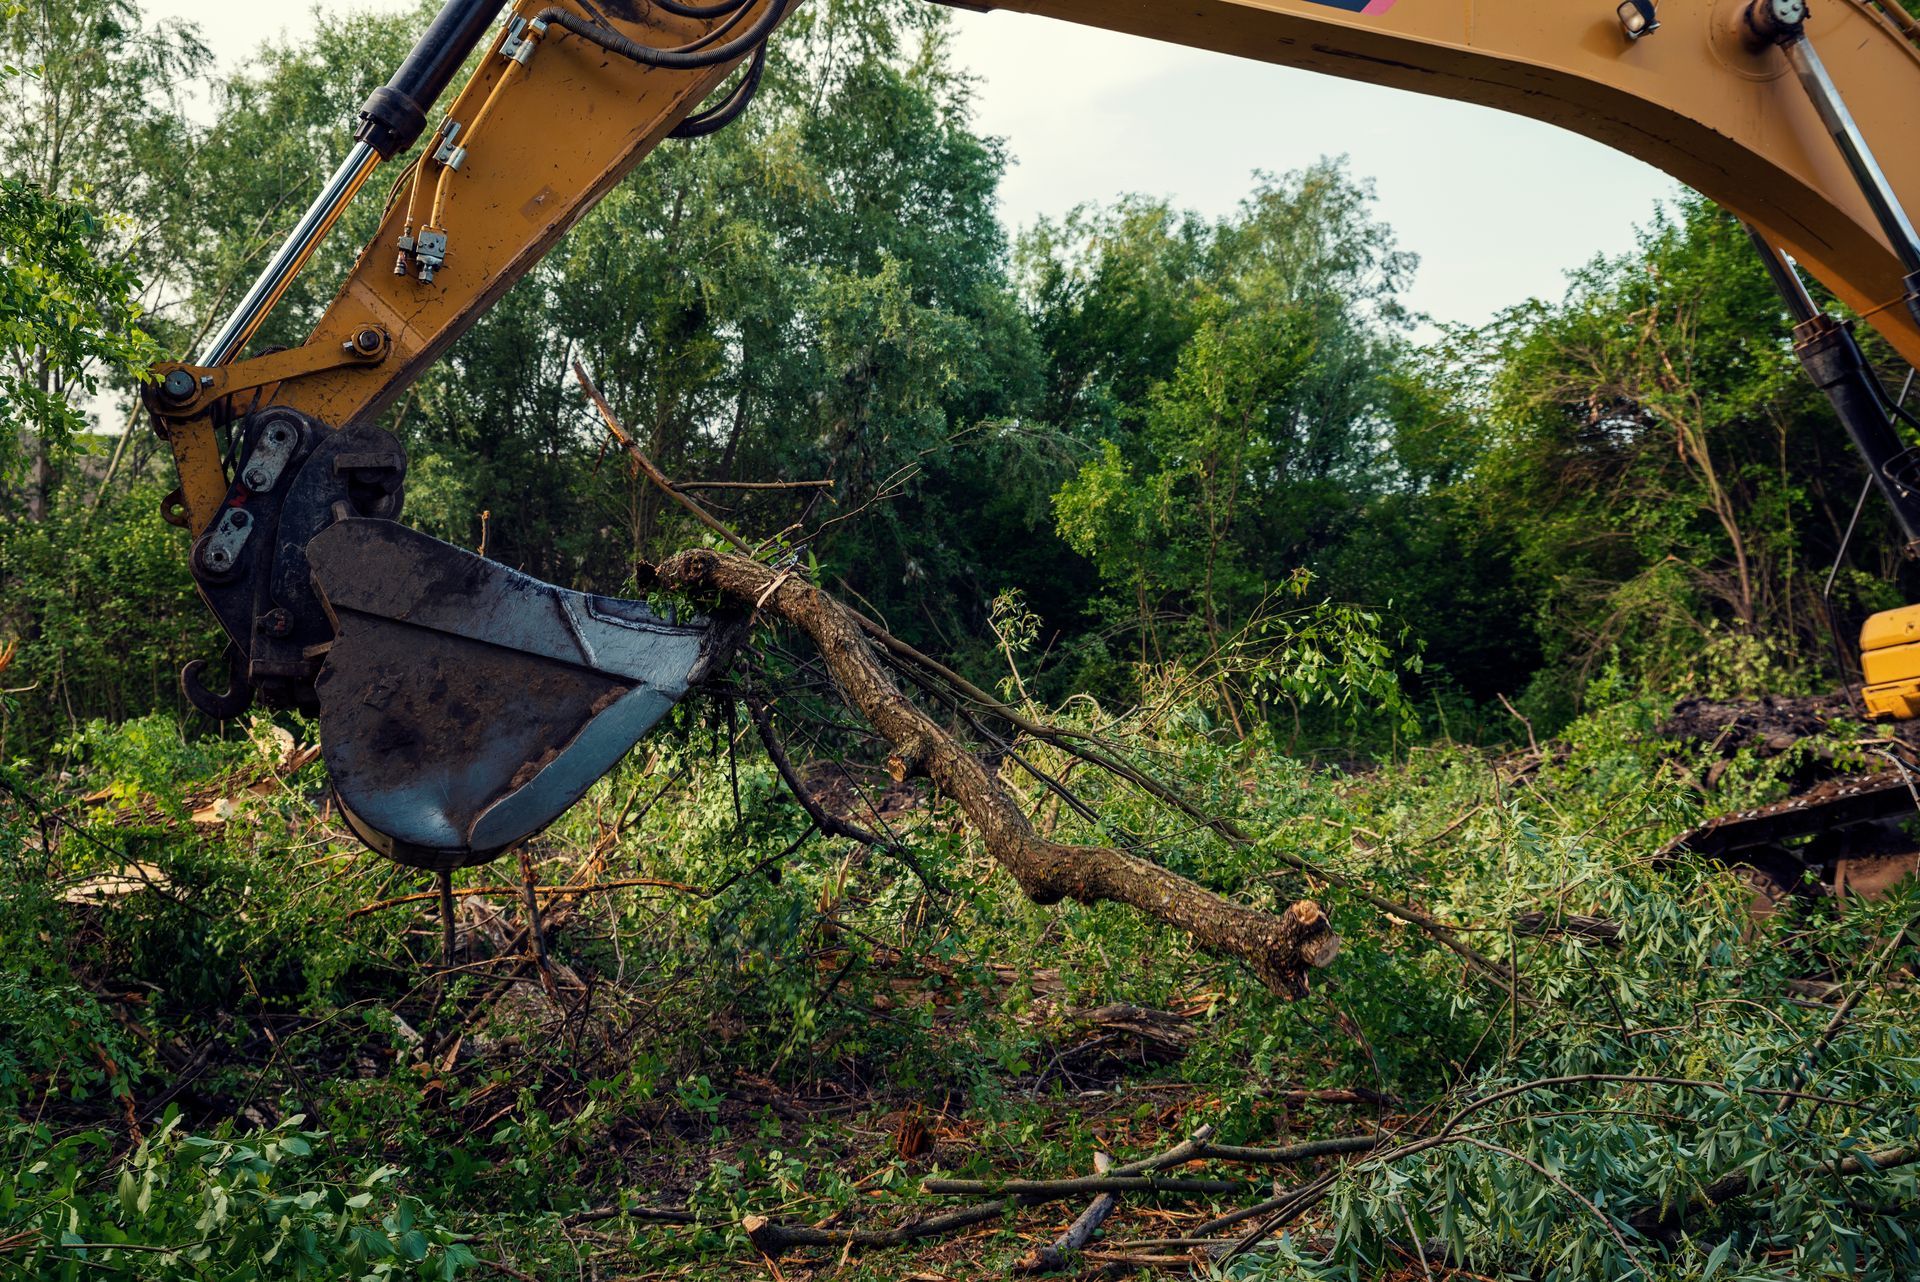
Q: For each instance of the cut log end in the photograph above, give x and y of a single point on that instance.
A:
(765, 1235)
(1318, 945)
(1304, 942)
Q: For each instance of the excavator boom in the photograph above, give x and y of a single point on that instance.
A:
(1798, 122)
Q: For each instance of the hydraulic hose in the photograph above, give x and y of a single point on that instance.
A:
(701, 10)
(437, 217)
(674, 59)
(703, 123)
(721, 30)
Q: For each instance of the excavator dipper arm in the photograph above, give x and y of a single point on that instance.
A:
(418, 654)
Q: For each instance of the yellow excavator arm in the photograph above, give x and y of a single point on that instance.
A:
(1801, 123)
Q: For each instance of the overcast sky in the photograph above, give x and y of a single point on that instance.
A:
(1498, 208)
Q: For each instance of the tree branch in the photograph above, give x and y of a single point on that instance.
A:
(1045, 1259)
(1036, 1191)
(1280, 949)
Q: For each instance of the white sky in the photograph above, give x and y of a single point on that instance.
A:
(1499, 208)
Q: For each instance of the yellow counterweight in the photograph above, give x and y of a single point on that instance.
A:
(1890, 661)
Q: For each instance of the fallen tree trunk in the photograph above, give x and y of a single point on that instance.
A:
(1279, 948)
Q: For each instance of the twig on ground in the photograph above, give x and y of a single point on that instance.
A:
(1196, 1148)
(1045, 1259)
(773, 1239)
(1034, 1192)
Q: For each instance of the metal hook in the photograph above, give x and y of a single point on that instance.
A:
(221, 707)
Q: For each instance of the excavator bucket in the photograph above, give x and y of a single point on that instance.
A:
(464, 706)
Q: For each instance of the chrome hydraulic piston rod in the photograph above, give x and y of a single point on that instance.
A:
(391, 122)
(292, 255)
(1785, 24)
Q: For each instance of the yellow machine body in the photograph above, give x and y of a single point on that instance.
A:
(1890, 662)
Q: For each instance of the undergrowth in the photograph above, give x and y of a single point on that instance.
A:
(215, 1063)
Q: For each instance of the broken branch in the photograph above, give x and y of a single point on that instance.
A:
(1045, 1259)
(1037, 1191)
(653, 473)
(825, 820)
(1656, 1220)
(1280, 948)
(773, 1239)
(1588, 930)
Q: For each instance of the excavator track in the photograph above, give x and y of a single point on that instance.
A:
(1830, 805)
(1830, 817)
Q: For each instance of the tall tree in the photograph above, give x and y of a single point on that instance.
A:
(1673, 483)
(1244, 424)
(92, 138)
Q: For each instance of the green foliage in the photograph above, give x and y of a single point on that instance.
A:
(54, 1036)
(91, 589)
(66, 318)
(1251, 410)
(1664, 472)
(105, 612)
(213, 1206)
(89, 133)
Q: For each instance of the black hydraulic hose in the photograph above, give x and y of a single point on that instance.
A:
(1896, 408)
(701, 10)
(396, 113)
(703, 123)
(719, 32)
(674, 59)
